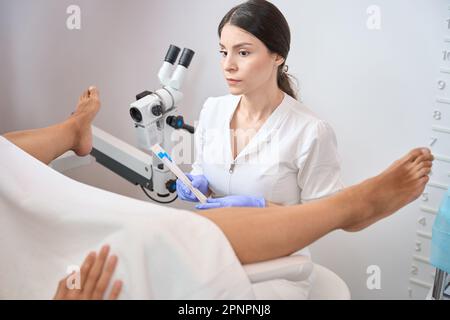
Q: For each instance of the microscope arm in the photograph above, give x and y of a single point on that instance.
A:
(127, 161)
(123, 159)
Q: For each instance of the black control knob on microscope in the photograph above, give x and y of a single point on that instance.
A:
(157, 110)
(171, 185)
(177, 122)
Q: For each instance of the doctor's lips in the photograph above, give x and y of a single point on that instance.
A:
(233, 81)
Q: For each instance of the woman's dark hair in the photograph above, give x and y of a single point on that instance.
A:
(263, 20)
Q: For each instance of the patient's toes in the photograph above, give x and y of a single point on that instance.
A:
(429, 157)
(421, 168)
(414, 154)
(420, 159)
(93, 89)
(93, 92)
(94, 99)
(85, 95)
(89, 103)
(424, 180)
(423, 172)
(424, 161)
(427, 164)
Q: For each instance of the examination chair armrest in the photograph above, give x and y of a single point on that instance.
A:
(292, 268)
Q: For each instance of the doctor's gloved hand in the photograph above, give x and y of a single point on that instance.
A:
(200, 182)
(232, 201)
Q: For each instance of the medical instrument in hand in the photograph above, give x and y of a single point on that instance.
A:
(198, 181)
(167, 160)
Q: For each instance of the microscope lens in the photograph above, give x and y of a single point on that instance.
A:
(186, 57)
(172, 54)
(136, 115)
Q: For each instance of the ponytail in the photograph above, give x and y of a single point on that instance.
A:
(285, 83)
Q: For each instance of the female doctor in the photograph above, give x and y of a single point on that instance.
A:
(259, 146)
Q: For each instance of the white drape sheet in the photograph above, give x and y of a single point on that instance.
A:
(49, 222)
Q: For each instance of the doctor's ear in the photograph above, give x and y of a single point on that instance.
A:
(279, 60)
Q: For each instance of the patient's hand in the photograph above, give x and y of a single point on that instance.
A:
(94, 278)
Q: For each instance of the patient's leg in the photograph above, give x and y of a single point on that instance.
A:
(47, 144)
(264, 234)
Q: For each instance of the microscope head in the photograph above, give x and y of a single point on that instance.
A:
(150, 107)
(146, 110)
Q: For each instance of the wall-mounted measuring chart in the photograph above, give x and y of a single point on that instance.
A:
(422, 272)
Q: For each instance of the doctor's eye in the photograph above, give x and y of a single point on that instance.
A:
(244, 53)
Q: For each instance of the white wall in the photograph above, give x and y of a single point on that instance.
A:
(376, 87)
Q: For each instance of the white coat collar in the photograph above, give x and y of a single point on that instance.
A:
(264, 134)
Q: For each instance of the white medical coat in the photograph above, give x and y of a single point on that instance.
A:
(292, 159)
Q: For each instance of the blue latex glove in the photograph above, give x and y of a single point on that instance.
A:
(232, 201)
(200, 182)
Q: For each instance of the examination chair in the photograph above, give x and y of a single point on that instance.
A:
(282, 279)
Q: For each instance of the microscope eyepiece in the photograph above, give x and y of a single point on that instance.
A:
(172, 54)
(186, 57)
(136, 115)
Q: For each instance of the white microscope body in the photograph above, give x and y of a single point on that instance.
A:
(151, 113)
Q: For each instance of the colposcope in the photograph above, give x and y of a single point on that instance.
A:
(152, 113)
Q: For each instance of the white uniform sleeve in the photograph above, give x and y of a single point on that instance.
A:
(197, 166)
(319, 166)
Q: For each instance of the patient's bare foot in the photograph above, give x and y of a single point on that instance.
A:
(81, 119)
(397, 186)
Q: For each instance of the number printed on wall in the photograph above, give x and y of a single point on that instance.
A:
(437, 115)
(446, 55)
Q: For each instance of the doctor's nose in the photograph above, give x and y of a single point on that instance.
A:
(229, 64)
